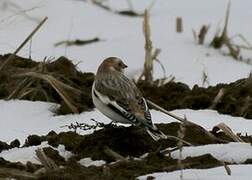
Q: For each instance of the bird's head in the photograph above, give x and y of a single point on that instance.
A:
(112, 64)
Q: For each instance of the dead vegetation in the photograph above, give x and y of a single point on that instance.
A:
(201, 35)
(222, 40)
(151, 55)
(130, 12)
(179, 25)
(78, 42)
(56, 81)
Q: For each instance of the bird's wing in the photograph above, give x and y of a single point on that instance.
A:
(122, 95)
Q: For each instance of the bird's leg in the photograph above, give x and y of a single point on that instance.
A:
(112, 124)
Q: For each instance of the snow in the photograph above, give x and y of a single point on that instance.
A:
(208, 119)
(238, 172)
(89, 162)
(231, 153)
(20, 118)
(122, 36)
(26, 154)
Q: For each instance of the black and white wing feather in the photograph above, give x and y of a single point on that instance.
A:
(122, 95)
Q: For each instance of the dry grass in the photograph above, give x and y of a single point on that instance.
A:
(201, 35)
(57, 85)
(52, 81)
(222, 39)
(217, 98)
(228, 131)
(179, 25)
(181, 135)
(151, 54)
(47, 162)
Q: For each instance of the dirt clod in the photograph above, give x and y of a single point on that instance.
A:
(34, 140)
(15, 143)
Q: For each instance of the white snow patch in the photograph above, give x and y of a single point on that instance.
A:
(124, 38)
(20, 119)
(26, 154)
(239, 172)
(89, 162)
(231, 153)
(207, 119)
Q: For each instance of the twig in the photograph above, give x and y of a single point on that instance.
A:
(202, 34)
(18, 88)
(77, 42)
(129, 12)
(181, 135)
(47, 162)
(155, 55)
(179, 25)
(169, 151)
(114, 154)
(227, 130)
(204, 78)
(84, 126)
(186, 122)
(228, 170)
(57, 85)
(148, 62)
(155, 106)
(245, 106)
(12, 173)
(217, 98)
(23, 43)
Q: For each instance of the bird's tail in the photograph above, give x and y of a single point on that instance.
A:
(156, 134)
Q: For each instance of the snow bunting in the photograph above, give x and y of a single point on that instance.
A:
(118, 98)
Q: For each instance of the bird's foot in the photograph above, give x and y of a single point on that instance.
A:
(112, 124)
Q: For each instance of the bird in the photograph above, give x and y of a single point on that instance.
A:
(118, 98)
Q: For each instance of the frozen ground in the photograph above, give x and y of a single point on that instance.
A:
(123, 37)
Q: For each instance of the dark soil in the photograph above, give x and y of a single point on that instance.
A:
(127, 141)
(236, 100)
(39, 90)
(131, 169)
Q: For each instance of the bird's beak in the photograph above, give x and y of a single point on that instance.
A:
(124, 66)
